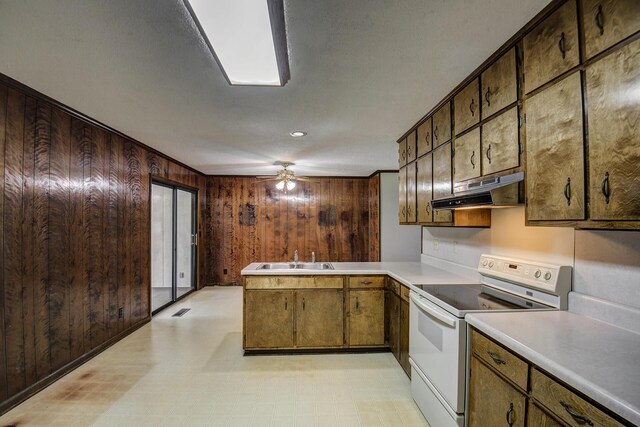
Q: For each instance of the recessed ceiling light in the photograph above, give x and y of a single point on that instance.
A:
(297, 133)
(246, 37)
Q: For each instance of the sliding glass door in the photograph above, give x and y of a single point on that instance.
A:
(173, 244)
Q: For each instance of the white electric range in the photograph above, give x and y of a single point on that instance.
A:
(438, 333)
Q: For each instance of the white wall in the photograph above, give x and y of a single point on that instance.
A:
(397, 242)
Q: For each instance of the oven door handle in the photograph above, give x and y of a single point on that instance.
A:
(432, 311)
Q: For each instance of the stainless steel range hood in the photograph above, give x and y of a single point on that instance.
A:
(502, 191)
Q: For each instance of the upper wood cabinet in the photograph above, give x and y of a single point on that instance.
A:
(425, 188)
(402, 196)
(466, 107)
(466, 157)
(551, 48)
(442, 125)
(268, 318)
(411, 147)
(614, 134)
(607, 22)
(442, 180)
(411, 192)
(555, 151)
(402, 153)
(424, 137)
(319, 318)
(366, 317)
(500, 143)
(499, 84)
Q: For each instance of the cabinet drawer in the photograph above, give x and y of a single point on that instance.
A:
(551, 48)
(501, 359)
(404, 293)
(424, 137)
(565, 404)
(606, 22)
(442, 125)
(466, 107)
(499, 87)
(366, 282)
(293, 282)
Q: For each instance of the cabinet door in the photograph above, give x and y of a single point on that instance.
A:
(425, 188)
(268, 319)
(411, 147)
(411, 192)
(607, 22)
(466, 157)
(392, 314)
(442, 125)
(319, 318)
(424, 137)
(499, 84)
(538, 418)
(404, 337)
(366, 318)
(402, 198)
(466, 107)
(555, 164)
(614, 135)
(551, 48)
(442, 180)
(402, 153)
(500, 143)
(492, 400)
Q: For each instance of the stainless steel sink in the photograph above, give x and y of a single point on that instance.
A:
(298, 266)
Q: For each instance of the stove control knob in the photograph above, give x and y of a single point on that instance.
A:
(537, 274)
(490, 264)
(547, 275)
(484, 262)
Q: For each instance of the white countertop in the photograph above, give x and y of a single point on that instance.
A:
(408, 273)
(598, 359)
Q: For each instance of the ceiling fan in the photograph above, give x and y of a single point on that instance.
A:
(286, 178)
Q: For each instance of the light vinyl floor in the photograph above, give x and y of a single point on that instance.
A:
(190, 371)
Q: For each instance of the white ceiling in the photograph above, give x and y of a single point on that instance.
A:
(362, 73)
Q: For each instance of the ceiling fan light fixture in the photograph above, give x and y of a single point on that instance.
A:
(291, 185)
(297, 133)
(280, 185)
(246, 37)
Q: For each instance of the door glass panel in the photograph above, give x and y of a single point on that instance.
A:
(161, 246)
(185, 243)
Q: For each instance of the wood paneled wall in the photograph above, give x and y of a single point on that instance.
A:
(75, 204)
(248, 220)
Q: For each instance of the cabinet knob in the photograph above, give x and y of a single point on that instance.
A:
(599, 22)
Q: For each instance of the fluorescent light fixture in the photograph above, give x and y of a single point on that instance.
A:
(246, 37)
(297, 133)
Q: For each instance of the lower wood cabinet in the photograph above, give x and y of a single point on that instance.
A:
(319, 318)
(268, 318)
(392, 314)
(539, 418)
(397, 312)
(404, 337)
(366, 317)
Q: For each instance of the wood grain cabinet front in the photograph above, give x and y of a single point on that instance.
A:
(466, 157)
(411, 192)
(404, 337)
(499, 85)
(466, 107)
(442, 125)
(402, 153)
(537, 417)
(606, 22)
(424, 137)
(500, 143)
(402, 195)
(442, 180)
(411, 147)
(268, 319)
(614, 134)
(555, 152)
(319, 318)
(425, 189)
(392, 317)
(551, 48)
(366, 318)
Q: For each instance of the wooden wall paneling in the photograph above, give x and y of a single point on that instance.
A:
(12, 233)
(134, 156)
(374, 218)
(28, 237)
(113, 235)
(41, 237)
(3, 118)
(145, 236)
(126, 269)
(59, 244)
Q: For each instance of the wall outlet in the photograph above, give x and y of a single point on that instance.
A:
(224, 271)
(182, 275)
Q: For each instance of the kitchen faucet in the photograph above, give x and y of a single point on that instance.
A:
(295, 257)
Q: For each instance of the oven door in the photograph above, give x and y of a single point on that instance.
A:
(437, 341)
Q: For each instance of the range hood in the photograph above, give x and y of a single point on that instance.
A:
(501, 191)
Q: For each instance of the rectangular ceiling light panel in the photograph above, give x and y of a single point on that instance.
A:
(241, 35)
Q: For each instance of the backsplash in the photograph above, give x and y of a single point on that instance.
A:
(606, 276)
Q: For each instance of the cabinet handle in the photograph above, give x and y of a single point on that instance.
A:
(403, 211)
(599, 22)
(561, 46)
(510, 414)
(473, 159)
(366, 282)
(286, 303)
(497, 359)
(472, 107)
(487, 97)
(567, 191)
(357, 304)
(576, 416)
(489, 153)
(409, 151)
(426, 138)
(605, 187)
(435, 133)
(427, 208)
(303, 304)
